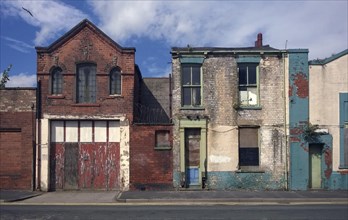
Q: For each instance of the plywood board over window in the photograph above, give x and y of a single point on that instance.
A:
(248, 147)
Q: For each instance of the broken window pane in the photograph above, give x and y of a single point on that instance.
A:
(248, 88)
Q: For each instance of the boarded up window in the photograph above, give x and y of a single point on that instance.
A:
(71, 128)
(162, 140)
(86, 131)
(100, 131)
(57, 131)
(248, 147)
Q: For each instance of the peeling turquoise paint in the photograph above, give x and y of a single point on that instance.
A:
(298, 118)
(176, 179)
(228, 180)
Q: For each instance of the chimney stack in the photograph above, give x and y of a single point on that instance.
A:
(258, 42)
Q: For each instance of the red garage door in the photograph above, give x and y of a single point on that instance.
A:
(85, 155)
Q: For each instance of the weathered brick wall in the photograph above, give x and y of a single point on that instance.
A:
(149, 168)
(154, 103)
(220, 107)
(17, 127)
(87, 46)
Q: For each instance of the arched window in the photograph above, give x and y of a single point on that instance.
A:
(86, 83)
(115, 81)
(57, 81)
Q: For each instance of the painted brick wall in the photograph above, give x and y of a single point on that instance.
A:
(149, 168)
(220, 97)
(17, 127)
(88, 45)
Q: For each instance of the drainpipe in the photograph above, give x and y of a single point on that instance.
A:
(285, 125)
(33, 128)
(170, 98)
(38, 117)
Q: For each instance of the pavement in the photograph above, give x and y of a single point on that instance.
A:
(172, 197)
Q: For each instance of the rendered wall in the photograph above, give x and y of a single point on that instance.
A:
(326, 81)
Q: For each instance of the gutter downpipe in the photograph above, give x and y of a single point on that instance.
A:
(285, 122)
(38, 117)
(33, 141)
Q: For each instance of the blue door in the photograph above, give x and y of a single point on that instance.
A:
(192, 156)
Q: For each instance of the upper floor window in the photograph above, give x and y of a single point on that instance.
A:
(86, 83)
(56, 81)
(248, 84)
(191, 85)
(115, 81)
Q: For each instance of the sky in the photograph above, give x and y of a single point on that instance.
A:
(154, 27)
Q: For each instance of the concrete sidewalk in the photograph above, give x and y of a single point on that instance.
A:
(232, 196)
(171, 197)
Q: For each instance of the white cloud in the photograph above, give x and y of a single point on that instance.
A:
(51, 17)
(320, 26)
(22, 80)
(18, 45)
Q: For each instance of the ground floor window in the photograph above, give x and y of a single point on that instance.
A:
(249, 147)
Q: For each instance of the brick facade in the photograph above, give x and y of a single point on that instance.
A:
(221, 117)
(150, 168)
(86, 44)
(17, 138)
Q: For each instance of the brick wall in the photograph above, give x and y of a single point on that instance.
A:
(149, 168)
(220, 107)
(86, 44)
(17, 127)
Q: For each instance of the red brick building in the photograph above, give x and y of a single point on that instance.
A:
(17, 138)
(91, 98)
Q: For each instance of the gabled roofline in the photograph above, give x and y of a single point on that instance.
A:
(76, 29)
(329, 59)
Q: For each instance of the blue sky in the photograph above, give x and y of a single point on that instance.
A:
(153, 27)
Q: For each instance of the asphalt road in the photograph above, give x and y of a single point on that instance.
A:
(245, 212)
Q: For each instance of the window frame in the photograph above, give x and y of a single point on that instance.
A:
(191, 86)
(117, 91)
(162, 147)
(55, 84)
(86, 98)
(249, 167)
(247, 87)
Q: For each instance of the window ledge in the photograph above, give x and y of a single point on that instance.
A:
(250, 108)
(163, 148)
(192, 108)
(56, 96)
(85, 105)
(114, 96)
(246, 170)
(342, 167)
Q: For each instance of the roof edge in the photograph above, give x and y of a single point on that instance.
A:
(73, 31)
(329, 59)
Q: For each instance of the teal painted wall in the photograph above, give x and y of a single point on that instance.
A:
(298, 118)
(298, 121)
(229, 180)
